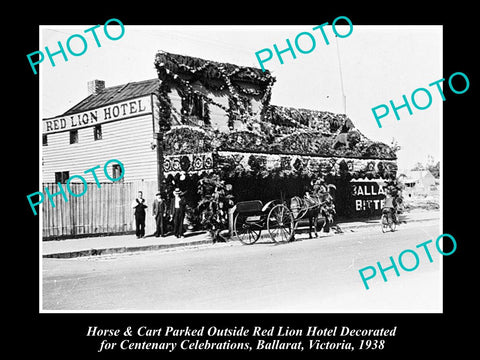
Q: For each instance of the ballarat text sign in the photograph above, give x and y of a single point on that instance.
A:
(368, 198)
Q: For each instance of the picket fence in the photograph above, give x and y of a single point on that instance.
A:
(100, 211)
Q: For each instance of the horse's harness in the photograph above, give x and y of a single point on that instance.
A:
(307, 203)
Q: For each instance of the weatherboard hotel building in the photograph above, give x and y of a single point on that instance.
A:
(196, 118)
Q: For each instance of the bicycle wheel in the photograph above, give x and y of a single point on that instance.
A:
(384, 223)
(280, 224)
(247, 232)
(392, 224)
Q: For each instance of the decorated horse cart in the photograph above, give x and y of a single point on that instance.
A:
(252, 217)
(278, 219)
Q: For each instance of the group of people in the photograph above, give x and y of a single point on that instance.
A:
(171, 213)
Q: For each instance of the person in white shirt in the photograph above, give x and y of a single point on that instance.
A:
(139, 206)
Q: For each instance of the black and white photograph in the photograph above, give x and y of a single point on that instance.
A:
(290, 183)
(198, 181)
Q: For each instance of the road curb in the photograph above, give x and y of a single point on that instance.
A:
(152, 247)
(124, 249)
(373, 224)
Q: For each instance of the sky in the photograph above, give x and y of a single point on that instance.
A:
(375, 64)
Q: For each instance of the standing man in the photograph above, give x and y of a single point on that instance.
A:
(178, 212)
(139, 212)
(159, 211)
(327, 209)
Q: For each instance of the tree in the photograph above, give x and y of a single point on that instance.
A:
(418, 166)
(435, 170)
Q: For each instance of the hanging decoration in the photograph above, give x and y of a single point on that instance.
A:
(214, 76)
(164, 107)
(215, 201)
(188, 163)
(193, 139)
(271, 141)
(239, 83)
(276, 129)
(234, 164)
(186, 139)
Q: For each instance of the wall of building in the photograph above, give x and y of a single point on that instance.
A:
(127, 140)
(218, 116)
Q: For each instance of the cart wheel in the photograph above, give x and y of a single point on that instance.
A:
(247, 232)
(280, 223)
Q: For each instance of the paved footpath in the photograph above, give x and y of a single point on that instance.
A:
(104, 245)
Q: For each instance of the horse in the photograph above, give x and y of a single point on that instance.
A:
(307, 207)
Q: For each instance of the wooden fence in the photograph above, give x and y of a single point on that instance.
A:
(104, 210)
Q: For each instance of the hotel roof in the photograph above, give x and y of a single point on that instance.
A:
(115, 94)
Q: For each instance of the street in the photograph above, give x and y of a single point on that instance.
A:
(309, 275)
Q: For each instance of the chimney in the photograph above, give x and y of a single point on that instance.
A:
(95, 86)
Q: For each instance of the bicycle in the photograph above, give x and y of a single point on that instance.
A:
(387, 221)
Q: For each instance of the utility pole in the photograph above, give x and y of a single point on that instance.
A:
(344, 98)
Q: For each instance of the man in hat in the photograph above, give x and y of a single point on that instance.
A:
(159, 211)
(139, 212)
(177, 212)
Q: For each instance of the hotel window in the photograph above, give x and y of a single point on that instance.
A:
(62, 176)
(117, 172)
(195, 109)
(44, 140)
(97, 132)
(240, 109)
(73, 136)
